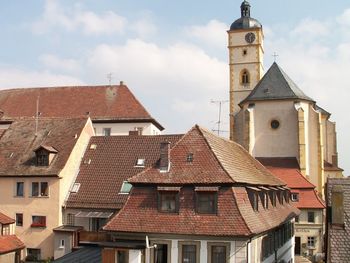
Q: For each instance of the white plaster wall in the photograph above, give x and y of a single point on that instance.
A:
(305, 106)
(4, 126)
(330, 140)
(134, 256)
(313, 148)
(68, 244)
(7, 258)
(282, 142)
(124, 128)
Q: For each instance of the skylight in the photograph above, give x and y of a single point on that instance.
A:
(75, 188)
(126, 187)
(140, 162)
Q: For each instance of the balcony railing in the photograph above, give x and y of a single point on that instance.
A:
(93, 237)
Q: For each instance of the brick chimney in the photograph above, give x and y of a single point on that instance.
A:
(164, 161)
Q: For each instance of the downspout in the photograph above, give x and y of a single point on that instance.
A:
(249, 242)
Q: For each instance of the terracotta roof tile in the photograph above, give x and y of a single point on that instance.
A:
(9, 244)
(17, 145)
(140, 214)
(215, 160)
(308, 198)
(99, 102)
(113, 162)
(5, 220)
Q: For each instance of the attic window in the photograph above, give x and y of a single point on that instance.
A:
(189, 158)
(126, 187)
(294, 197)
(75, 188)
(42, 158)
(140, 162)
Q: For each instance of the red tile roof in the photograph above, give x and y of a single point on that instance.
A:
(215, 160)
(114, 103)
(287, 169)
(308, 198)
(17, 145)
(5, 220)
(113, 162)
(2, 131)
(9, 244)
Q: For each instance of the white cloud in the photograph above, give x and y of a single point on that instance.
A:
(309, 29)
(54, 62)
(15, 78)
(213, 33)
(344, 18)
(55, 16)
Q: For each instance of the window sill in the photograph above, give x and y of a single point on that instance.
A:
(39, 196)
(18, 196)
(37, 226)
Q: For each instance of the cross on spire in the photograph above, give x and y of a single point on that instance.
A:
(275, 55)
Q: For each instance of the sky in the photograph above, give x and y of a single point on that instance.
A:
(173, 54)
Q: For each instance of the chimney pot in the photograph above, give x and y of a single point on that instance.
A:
(121, 83)
(335, 160)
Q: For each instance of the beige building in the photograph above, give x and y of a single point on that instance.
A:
(269, 115)
(38, 163)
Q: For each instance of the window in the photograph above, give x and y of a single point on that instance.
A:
(126, 187)
(218, 252)
(19, 219)
(75, 188)
(70, 219)
(311, 217)
(140, 162)
(139, 130)
(295, 197)
(189, 158)
(38, 221)
(122, 256)
(96, 224)
(275, 124)
(206, 202)
(264, 199)
(273, 198)
(245, 77)
(189, 252)
(168, 202)
(33, 254)
(40, 189)
(245, 52)
(62, 243)
(162, 252)
(281, 197)
(42, 158)
(254, 199)
(311, 242)
(297, 219)
(20, 189)
(106, 131)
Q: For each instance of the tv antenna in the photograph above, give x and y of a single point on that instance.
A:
(220, 103)
(109, 77)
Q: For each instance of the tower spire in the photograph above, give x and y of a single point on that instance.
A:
(245, 9)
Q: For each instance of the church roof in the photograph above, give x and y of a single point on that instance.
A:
(276, 85)
(245, 22)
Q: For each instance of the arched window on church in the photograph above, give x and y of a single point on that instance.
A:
(245, 77)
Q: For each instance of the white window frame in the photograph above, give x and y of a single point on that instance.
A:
(16, 188)
(311, 242)
(105, 133)
(294, 197)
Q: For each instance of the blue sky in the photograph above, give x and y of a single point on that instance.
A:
(173, 55)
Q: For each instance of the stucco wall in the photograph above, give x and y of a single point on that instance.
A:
(124, 128)
(281, 142)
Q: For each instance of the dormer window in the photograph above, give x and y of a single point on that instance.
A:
(140, 162)
(44, 155)
(189, 158)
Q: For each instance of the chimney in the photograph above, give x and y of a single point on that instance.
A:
(121, 83)
(164, 161)
(134, 133)
(335, 160)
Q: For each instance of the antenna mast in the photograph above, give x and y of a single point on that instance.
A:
(220, 103)
(109, 77)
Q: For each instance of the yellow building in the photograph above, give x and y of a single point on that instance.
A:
(38, 163)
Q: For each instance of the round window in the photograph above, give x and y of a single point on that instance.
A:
(275, 124)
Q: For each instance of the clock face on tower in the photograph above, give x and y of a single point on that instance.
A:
(250, 37)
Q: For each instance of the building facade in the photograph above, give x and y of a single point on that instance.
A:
(270, 115)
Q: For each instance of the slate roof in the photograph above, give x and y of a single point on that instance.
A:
(5, 220)
(17, 145)
(276, 85)
(85, 254)
(102, 103)
(9, 244)
(287, 169)
(113, 162)
(215, 160)
(330, 167)
(338, 237)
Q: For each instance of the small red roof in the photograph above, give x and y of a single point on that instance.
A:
(308, 199)
(9, 244)
(5, 220)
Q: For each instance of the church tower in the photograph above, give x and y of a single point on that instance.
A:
(245, 43)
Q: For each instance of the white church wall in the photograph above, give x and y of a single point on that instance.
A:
(305, 106)
(281, 142)
(313, 145)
